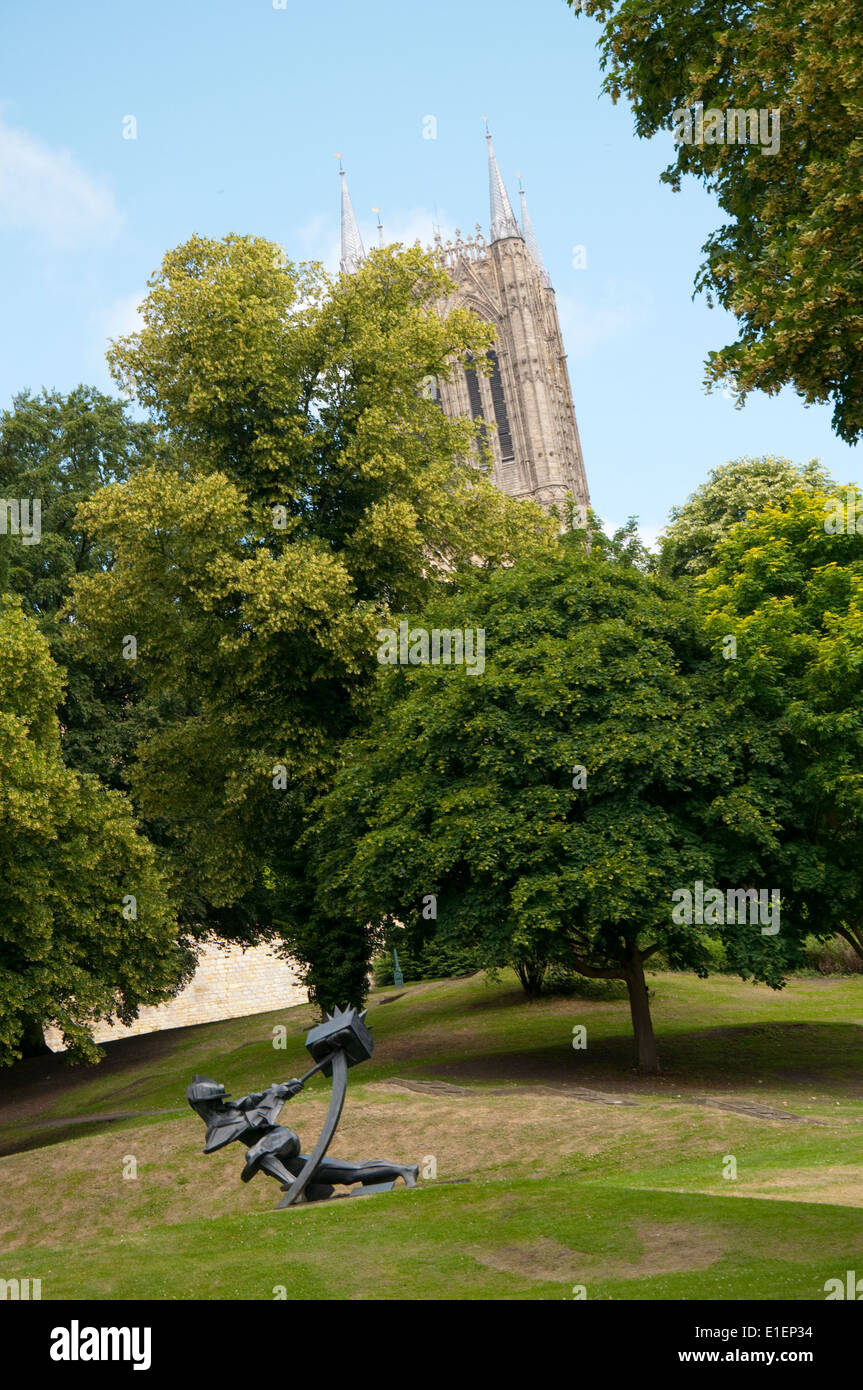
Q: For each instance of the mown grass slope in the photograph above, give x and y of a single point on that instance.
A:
(581, 1174)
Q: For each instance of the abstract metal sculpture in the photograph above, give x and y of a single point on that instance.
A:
(338, 1043)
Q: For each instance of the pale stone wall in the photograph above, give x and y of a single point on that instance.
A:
(227, 984)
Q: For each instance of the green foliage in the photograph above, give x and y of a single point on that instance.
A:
(332, 959)
(434, 960)
(531, 966)
(833, 957)
(717, 957)
(61, 450)
(383, 967)
(786, 263)
(303, 392)
(731, 493)
(589, 662)
(310, 492)
(71, 860)
(561, 981)
(791, 592)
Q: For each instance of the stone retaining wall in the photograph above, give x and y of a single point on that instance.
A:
(227, 984)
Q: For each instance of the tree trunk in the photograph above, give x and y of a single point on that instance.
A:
(531, 972)
(854, 936)
(32, 1041)
(642, 1024)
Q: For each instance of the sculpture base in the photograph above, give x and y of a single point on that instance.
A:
(369, 1189)
(324, 1192)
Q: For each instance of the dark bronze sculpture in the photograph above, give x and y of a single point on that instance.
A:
(340, 1042)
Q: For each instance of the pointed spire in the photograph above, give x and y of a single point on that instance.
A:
(503, 223)
(353, 251)
(380, 227)
(531, 242)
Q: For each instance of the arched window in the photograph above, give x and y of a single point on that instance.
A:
(498, 400)
(473, 394)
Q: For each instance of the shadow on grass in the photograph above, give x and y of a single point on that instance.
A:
(49, 1132)
(793, 1056)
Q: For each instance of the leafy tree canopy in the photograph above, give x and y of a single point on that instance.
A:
(86, 930)
(789, 587)
(787, 262)
(60, 450)
(467, 786)
(732, 492)
(304, 392)
(312, 492)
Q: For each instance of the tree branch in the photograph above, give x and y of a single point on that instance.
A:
(595, 973)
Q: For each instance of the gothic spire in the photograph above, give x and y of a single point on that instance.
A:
(353, 250)
(503, 223)
(531, 242)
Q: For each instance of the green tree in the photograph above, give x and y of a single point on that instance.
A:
(552, 804)
(60, 450)
(86, 929)
(787, 263)
(789, 587)
(731, 493)
(317, 491)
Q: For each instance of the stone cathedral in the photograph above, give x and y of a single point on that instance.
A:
(502, 278)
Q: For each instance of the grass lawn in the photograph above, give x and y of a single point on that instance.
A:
(581, 1174)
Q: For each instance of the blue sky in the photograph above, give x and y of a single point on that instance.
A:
(240, 108)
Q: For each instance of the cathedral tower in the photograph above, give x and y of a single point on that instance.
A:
(503, 280)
